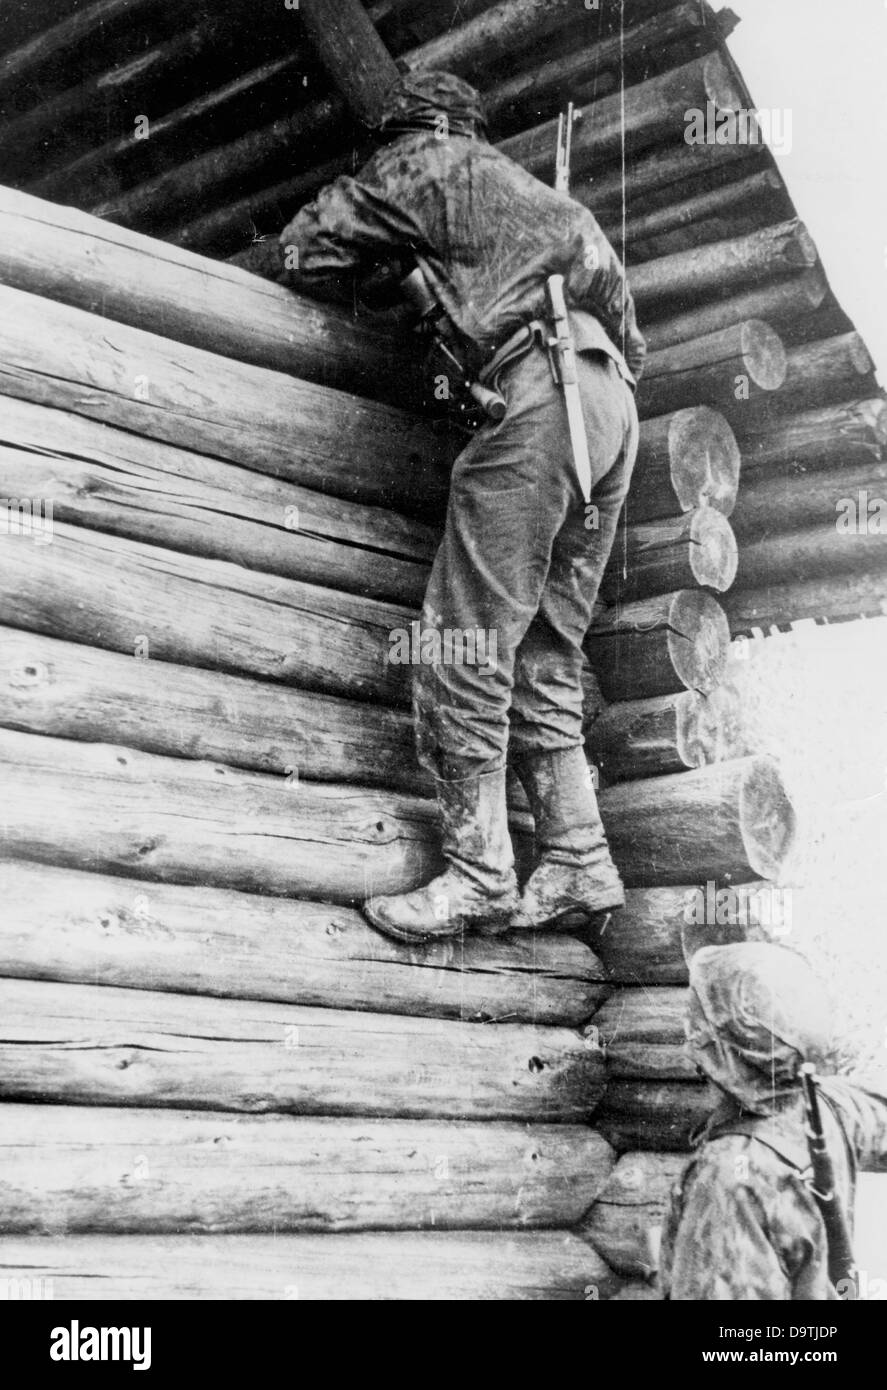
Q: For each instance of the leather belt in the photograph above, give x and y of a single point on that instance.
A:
(522, 341)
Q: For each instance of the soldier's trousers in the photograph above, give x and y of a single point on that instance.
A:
(518, 570)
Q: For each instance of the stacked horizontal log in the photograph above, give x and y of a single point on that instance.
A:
(227, 1173)
(321, 124)
(68, 256)
(685, 460)
(660, 557)
(320, 437)
(121, 811)
(258, 86)
(658, 645)
(76, 1044)
(438, 1265)
(511, 30)
(710, 370)
(208, 756)
(84, 928)
(666, 733)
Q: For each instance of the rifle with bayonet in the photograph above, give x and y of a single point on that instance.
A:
(841, 1262)
(564, 148)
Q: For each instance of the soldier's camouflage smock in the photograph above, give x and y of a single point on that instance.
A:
(744, 1223)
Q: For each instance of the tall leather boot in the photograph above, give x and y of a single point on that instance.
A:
(574, 871)
(478, 890)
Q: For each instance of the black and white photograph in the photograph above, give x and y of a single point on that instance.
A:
(443, 665)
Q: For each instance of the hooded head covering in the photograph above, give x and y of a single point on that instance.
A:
(756, 1012)
(432, 101)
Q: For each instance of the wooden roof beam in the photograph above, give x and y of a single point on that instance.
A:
(347, 43)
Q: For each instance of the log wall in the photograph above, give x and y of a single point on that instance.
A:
(207, 755)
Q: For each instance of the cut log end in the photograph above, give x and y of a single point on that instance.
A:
(710, 728)
(721, 86)
(705, 459)
(873, 414)
(698, 640)
(801, 250)
(767, 818)
(859, 355)
(714, 555)
(764, 354)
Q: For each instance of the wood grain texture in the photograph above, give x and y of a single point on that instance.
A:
(776, 502)
(642, 1034)
(79, 1045)
(588, 69)
(74, 1169)
(826, 371)
(781, 303)
(426, 1265)
(820, 552)
(740, 264)
(727, 202)
(118, 594)
(75, 691)
(658, 645)
(110, 480)
(661, 175)
(730, 822)
(854, 432)
(306, 433)
(660, 557)
(111, 809)
(657, 1115)
(63, 254)
(857, 595)
(667, 733)
(650, 940)
(731, 370)
(74, 927)
(641, 944)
